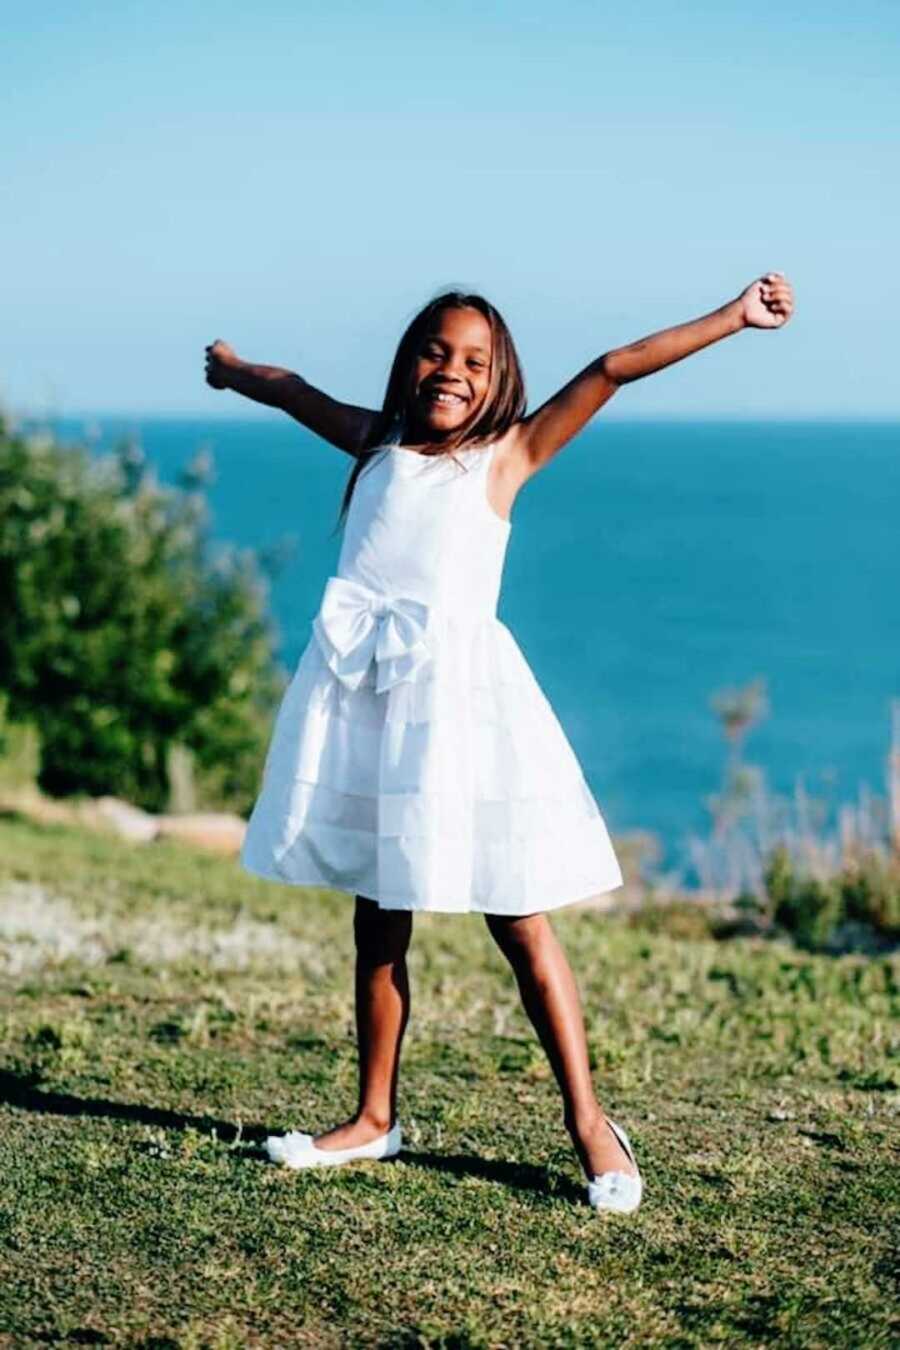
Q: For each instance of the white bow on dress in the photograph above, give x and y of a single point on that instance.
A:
(356, 625)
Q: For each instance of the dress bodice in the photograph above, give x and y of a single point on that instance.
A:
(421, 526)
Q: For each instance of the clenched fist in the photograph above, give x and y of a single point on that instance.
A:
(768, 302)
(220, 360)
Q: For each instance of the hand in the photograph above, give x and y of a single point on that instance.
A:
(220, 360)
(768, 302)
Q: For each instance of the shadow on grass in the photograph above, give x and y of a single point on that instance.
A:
(516, 1175)
(23, 1091)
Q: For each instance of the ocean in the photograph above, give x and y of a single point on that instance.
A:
(650, 566)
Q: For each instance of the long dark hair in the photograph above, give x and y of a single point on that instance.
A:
(503, 405)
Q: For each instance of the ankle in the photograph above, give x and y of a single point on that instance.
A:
(584, 1121)
(378, 1119)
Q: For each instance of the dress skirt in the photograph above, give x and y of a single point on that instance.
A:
(453, 790)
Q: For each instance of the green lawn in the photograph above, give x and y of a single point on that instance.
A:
(162, 1011)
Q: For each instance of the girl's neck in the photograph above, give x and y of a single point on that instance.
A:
(423, 440)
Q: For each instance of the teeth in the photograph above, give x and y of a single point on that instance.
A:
(447, 398)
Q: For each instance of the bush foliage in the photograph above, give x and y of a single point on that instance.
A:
(123, 633)
(813, 909)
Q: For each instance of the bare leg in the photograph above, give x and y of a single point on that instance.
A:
(550, 998)
(382, 1011)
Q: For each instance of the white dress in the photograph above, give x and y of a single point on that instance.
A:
(414, 758)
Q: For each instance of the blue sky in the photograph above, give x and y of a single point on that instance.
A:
(299, 179)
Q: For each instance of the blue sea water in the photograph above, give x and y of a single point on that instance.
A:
(650, 564)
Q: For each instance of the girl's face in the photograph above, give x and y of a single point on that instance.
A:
(452, 372)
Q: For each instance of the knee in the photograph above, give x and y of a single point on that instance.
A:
(381, 935)
(521, 938)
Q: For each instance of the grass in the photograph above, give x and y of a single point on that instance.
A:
(162, 1011)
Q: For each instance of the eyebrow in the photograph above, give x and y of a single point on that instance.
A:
(483, 350)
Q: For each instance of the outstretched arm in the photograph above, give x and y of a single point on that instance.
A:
(766, 303)
(342, 424)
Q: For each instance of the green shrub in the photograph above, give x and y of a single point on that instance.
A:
(865, 890)
(810, 908)
(121, 633)
(871, 890)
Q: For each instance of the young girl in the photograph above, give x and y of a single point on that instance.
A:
(415, 763)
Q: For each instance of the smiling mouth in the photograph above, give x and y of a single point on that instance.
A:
(444, 399)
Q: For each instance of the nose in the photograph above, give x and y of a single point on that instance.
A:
(453, 375)
(452, 365)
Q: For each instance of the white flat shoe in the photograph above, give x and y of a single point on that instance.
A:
(295, 1149)
(617, 1191)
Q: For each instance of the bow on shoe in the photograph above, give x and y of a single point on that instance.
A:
(356, 626)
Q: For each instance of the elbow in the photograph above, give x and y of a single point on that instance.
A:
(611, 370)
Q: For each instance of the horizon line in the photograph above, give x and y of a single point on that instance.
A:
(197, 415)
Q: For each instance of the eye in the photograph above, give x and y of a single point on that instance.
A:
(479, 365)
